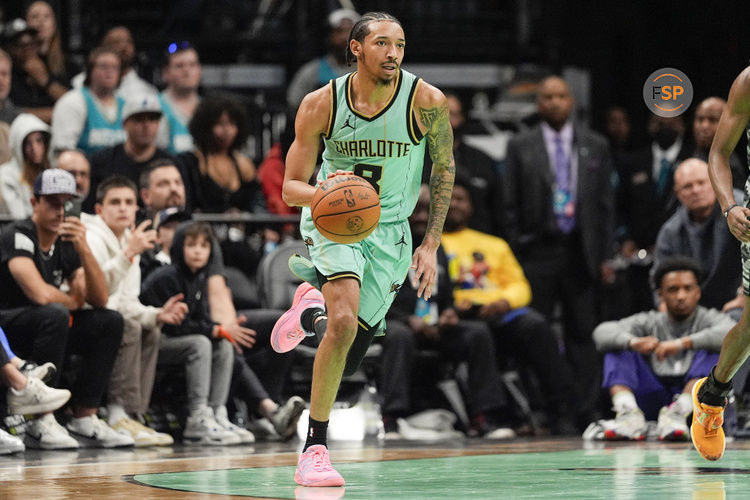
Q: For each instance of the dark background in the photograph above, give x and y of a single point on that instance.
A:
(620, 43)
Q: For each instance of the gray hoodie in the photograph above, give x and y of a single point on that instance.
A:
(705, 327)
(15, 195)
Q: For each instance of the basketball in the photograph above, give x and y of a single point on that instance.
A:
(345, 209)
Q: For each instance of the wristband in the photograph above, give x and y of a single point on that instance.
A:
(223, 334)
(726, 212)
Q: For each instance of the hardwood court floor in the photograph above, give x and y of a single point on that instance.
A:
(526, 468)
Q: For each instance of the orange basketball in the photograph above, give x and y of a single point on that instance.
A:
(345, 209)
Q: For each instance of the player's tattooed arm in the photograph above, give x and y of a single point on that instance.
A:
(439, 137)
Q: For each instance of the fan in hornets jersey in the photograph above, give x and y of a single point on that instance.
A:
(375, 123)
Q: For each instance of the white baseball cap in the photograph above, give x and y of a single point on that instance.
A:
(144, 103)
(55, 181)
(338, 15)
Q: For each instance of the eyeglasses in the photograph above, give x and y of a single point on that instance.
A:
(177, 46)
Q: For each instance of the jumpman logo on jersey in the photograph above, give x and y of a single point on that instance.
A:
(347, 124)
(402, 241)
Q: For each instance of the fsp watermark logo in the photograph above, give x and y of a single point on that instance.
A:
(668, 92)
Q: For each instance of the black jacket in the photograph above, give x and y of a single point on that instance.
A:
(177, 278)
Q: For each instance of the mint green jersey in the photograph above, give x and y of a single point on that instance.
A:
(386, 148)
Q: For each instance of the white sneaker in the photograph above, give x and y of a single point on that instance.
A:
(220, 414)
(202, 428)
(46, 434)
(10, 444)
(628, 425)
(285, 418)
(672, 426)
(43, 372)
(36, 397)
(93, 432)
(141, 435)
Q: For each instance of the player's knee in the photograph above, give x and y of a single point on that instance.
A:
(342, 324)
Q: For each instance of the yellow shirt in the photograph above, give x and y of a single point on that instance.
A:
(483, 269)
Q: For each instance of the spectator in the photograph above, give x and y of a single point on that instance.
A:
(202, 345)
(653, 358)
(162, 186)
(222, 179)
(479, 169)
(260, 391)
(120, 41)
(489, 285)
(617, 129)
(117, 249)
(44, 323)
(29, 141)
(41, 17)
(75, 162)
(90, 118)
(705, 123)
(8, 110)
(140, 119)
(27, 393)
(320, 71)
(415, 323)
(182, 75)
(559, 220)
(34, 88)
(647, 182)
(698, 230)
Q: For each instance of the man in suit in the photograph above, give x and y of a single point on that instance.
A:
(559, 221)
(646, 199)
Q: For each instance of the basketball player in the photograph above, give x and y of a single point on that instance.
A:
(375, 123)
(710, 393)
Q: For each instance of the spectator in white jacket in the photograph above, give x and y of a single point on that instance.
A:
(29, 142)
(117, 244)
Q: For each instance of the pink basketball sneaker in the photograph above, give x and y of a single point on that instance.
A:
(314, 468)
(288, 331)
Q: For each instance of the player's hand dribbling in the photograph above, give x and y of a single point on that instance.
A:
(739, 225)
(334, 174)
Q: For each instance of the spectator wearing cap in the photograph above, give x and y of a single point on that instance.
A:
(47, 273)
(117, 245)
(8, 110)
(320, 71)
(120, 40)
(34, 88)
(29, 143)
(90, 118)
(182, 74)
(140, 119)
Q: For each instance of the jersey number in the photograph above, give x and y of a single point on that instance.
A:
(370, 173)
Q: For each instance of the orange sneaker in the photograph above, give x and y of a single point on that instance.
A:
(706, 430)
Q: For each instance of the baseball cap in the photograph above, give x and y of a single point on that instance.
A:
(55, 181)
(169, 215)
(145, 103)
(15, 29)
(338, 15)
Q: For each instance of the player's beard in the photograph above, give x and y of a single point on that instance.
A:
(381, 81)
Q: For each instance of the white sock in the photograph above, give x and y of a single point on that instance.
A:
(624, 401)
(684, 403)
(82, 424)
(115, 413)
